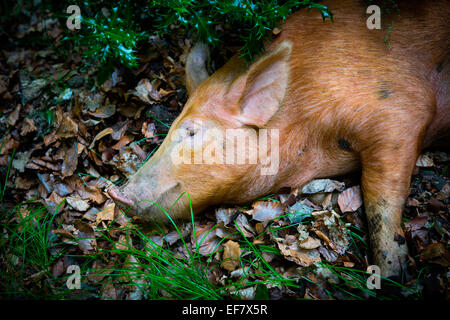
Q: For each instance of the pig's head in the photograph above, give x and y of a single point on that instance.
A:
(192, 158)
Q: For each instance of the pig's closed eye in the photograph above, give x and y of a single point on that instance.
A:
(191, 132)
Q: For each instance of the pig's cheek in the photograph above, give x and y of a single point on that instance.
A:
(178, 154)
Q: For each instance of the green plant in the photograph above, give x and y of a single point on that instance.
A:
(253, 20)
(25, 251)
(108, 37)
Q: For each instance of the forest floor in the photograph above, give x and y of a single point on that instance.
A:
(63, 143)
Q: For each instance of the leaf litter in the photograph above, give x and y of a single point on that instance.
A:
(68, 153)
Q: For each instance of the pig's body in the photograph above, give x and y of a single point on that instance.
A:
(341, 99)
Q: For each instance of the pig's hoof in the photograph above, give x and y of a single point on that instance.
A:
(393, 263)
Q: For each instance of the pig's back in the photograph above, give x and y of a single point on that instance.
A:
(344, 63)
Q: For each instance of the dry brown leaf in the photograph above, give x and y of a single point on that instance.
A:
(231, 255)
(206, 238)
(244, 226)
(148, 91)
(336, 236)
(266, 210)
(77, 203)
(329, 255)
(107, 214)
(70, 162)
(432, 251)
(109, 292)
(309, 243)
(100, 135)
(86, 242)
(138, 151)
(67, 129)
(323, 185)
(14, 116)
(225, 215)
(416, 223)
(27, 127)
(43, 164)
(425, 160)
(122, 142)
(122, 243)
(9, 144)
(350, 199)
(91, 214)
(444, 193)
(104, 112)
(176, 235)
(54, 200)
(91, 193)
(290, 250)
(148, 129)
(119, 130)
(21, 159)
(23, 183)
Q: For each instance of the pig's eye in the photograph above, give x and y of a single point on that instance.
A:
(191, 131)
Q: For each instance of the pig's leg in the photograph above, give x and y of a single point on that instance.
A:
(386, 174)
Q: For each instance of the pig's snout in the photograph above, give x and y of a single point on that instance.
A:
(118, 197)
(146, 201)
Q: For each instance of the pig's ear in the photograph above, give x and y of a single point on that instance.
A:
(196, 70)
(262, 89)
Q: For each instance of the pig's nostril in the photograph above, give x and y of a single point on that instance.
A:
(118, 196)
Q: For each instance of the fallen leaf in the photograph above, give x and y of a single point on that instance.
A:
(32, 89)
(28, 126)
(425, 161)
(104, 112)
(416, 223)
(328, 255)
(206, 239)
(444, 193)
(77, 203)
(67, 129)
(323, 185)
(21, 160)
(290, 250)
(14, 116)
(432, 251)
(176, 235)
(309, 243)
(266, 210)
(350, 199)
(231, 255)
(109, 292)
(86, 242)
(298, 212)
(148, 91)
(9, 144)
(122, 142)
(107, 214)
(122, 243)
(245, 294)
(244, 226)
(100, 135)
(225, 215)
(70, 162)
(91, 214)
(148, 129)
